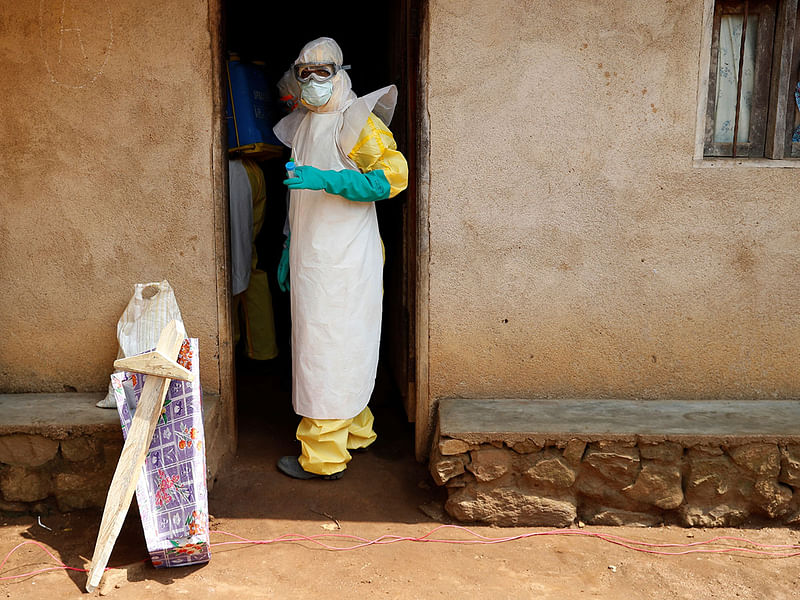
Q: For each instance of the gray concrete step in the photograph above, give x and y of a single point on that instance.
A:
(685, 421)
(56, 415)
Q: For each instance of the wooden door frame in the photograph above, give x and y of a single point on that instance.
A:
(424, 409)
(420, 246)
(222, 244)
(411, 370)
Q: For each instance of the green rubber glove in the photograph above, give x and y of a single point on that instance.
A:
(350, 184)
(283, 266)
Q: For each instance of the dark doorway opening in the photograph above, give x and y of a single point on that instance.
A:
(273, 34)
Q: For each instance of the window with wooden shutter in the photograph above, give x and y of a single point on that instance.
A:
(751, 110)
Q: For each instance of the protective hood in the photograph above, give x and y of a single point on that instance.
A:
(356, 110)
(325, 50)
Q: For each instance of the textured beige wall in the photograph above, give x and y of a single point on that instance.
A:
(105, 181)
(575, 251)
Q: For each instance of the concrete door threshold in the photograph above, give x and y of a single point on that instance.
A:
(61, 449)
(619, 462)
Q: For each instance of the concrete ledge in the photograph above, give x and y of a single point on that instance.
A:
(60, 449)
(619, 462)
(56, 415)
(686, 421)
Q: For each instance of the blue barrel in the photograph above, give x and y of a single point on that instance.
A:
(251, 110)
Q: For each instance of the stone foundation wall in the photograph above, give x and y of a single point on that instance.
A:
(59, 452)
(547, 483)
(39, 473)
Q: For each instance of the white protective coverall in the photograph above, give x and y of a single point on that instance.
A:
(336, 258)
(336, 263)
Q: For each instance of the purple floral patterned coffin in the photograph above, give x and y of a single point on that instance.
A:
(171, 492)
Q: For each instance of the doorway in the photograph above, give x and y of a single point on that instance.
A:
(272, 34)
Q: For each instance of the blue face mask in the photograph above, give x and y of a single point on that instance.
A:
(316, 93)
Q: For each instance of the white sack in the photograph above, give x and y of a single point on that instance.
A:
(152, 306)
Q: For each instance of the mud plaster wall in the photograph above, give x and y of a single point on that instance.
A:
(574, 249)
(105, 181)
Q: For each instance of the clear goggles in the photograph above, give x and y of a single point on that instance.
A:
(304, 72)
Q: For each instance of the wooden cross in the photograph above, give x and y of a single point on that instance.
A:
(161, 368)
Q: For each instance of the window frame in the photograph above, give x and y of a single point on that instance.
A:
(754, 148)
(782, 75)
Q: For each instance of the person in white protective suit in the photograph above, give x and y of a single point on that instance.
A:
(346, 159)
(252, 300)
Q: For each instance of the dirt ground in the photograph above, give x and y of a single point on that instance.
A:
(380, 494)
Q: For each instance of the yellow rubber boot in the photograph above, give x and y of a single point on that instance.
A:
(324, 445)
(325, 442)
(360, 433)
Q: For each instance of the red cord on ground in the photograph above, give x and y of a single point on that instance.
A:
(737, 544)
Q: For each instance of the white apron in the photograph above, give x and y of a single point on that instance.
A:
(335, 267)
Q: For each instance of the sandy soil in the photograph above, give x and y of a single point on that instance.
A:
(381, 494)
